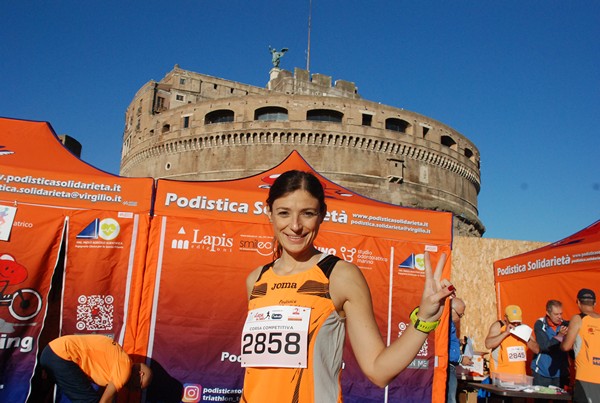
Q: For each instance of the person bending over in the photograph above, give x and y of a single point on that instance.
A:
(75, 361)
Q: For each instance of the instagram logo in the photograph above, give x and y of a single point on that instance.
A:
(192, 393)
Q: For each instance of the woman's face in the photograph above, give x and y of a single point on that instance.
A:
(296, 221)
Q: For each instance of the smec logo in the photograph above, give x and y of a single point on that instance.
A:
(192, 393)
(262, 245)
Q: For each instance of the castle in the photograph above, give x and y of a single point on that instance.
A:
(191, 126)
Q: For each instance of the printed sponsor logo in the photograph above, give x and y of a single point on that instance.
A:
(208, 242)
(596, 360)
(284, 285)
(261, 244)
(192, 393)
(107, 229)
(413, 261)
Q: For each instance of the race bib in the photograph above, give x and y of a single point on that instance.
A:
(516, 353)
(276, 336)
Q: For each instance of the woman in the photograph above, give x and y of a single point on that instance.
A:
(321, 297)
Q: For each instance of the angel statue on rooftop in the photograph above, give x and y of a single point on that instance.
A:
(276, 55)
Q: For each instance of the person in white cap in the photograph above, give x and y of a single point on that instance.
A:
(509, 351)
(584, 338)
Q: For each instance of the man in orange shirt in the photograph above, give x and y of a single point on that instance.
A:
(583, 337)
(72, 361)
(509, 352)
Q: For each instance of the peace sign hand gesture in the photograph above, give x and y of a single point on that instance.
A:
(435, 292)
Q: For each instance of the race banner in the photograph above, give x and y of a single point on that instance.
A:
(105, 262)
(27, 262)
(207, 236)
(200, 303)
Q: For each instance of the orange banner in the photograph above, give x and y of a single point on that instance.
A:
(556, 271)
(102, 270)
(27, 263)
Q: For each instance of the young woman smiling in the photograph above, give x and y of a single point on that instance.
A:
(318, 298)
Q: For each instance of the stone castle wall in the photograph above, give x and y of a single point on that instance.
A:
(191, 126)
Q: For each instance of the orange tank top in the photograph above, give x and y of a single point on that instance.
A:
(319, 381)
(587, 350)
(510, 356)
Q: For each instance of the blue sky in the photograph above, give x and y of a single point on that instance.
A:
(521, 79)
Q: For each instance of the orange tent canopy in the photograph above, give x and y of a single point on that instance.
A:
(36, 168)
(555, 271)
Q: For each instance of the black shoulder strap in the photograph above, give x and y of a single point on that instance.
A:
(264, 269)
(327, 264)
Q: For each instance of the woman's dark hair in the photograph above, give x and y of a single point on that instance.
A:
(290, 181)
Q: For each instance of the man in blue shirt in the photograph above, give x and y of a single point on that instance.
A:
(455, 356)
(551, 365)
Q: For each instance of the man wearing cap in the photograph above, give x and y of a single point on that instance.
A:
(584, 338)
(509, 351)
(551, 365)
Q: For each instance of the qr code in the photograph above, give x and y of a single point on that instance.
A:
(95, 312)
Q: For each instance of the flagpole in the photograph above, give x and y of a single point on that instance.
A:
(309, 23)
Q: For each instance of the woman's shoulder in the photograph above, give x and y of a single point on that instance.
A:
(345, 271)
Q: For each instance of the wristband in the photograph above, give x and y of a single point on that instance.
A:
(421, 325)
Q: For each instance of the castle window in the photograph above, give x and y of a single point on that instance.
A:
(395, 170)
(397, 125)
(219, 116)
(448, 142)
(425, 131)
(160, 103)
(367, 119)
(273, 113)
(186, 122)
(469, 154)
(182, 81)
(324, 115)
(166, 127)
(179, 97)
